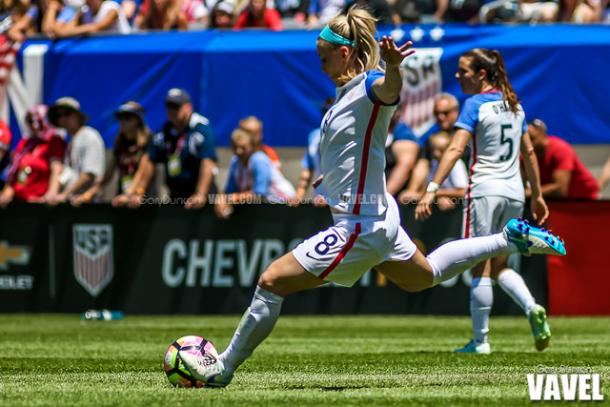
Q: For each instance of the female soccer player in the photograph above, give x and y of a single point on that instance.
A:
(367, 232)
(495, 121)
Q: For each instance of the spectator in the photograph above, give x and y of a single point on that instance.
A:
(581, 11)
(85, 156)
(129, 147)
(37, 162)
(409, 11)
(562, 174)
(59, 14)
(459, 10)
(254, 126)
(5, 147)
(454, 186)
(310, 165)
(186, 146)
(446, 110)
(402, 150)
(322, 11)
(380, 9)
(223, 15)
(108, 18)
(295, 9)
(17, 18)
(604, 178)
(258, 15)
(161, 15)
(251, 175)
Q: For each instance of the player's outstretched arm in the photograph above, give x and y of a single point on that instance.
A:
(387, 89)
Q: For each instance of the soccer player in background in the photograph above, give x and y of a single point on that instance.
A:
(366, 232)
(493, 121)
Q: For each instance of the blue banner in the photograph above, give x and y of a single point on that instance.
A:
(560, 72)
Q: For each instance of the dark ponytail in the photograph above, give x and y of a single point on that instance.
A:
(493, 63)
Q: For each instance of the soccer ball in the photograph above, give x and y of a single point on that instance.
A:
(176, 371)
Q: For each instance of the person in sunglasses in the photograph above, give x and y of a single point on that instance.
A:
(85, 156)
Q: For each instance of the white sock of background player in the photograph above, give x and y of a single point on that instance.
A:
(481, 300)
(512, 283)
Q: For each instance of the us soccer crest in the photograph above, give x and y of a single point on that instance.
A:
(93, 257)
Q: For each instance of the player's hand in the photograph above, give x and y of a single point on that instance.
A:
(424, 207)
(392, 54)
(196, 201)
(540, 212)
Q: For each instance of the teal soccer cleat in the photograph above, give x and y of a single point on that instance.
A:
(476, 348)
(530, 239)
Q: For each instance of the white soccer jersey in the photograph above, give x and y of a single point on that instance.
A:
(495, 146)
(352, 149)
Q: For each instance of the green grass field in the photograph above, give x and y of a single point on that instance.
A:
(59, 360)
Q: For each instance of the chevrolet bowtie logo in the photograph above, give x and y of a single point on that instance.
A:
(13, 255)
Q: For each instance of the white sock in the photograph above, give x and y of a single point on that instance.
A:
(256, 324)
(481, 300)
(512, 283)
(457, 256)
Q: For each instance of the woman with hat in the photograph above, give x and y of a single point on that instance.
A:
(37, 161)
(129, 146)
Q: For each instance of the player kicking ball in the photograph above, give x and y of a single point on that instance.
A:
(366, 233)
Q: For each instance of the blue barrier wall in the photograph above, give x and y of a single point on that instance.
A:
(559, 72)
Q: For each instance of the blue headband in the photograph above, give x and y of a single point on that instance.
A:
(329, 35)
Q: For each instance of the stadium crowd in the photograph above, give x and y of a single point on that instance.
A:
(62, 159)
(67, 18)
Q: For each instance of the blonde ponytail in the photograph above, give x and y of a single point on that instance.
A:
(359, 26)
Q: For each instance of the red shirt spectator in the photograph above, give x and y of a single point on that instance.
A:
(31, 168)
(5, 145)
(257, 15)
(562, 174)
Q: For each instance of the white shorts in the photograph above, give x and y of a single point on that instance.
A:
(484, 216)
(354, 245)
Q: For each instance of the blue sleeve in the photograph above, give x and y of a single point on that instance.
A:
(155, 148)
(469, 116)
(371, 77)
(261, 174)
(404, 132)
(524, 130)
(207, 149)
(231, 185)
(66, 15)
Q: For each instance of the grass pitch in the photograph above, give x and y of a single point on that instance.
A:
(59, 360)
